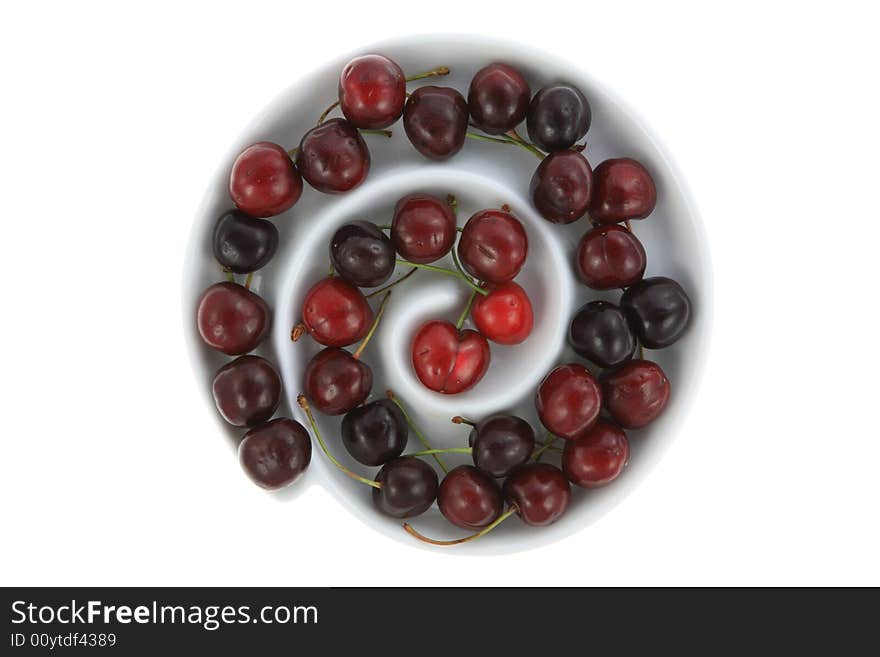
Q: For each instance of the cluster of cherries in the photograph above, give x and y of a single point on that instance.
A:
(591, 413)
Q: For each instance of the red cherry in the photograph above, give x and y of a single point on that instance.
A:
(623, 190)
(636, 393)
(264, 182)
(610, 257)
(336, 381)
(597, 457)
(568, 401)
(435, 120)
(247, 391)
(540, 492)
(498, 98)
(469, 498)
(448, 360)
(372, 91)
(275, 454)
(493, 246)
(336, 313)
(232, 319)
(423, 229)
(504, 315)
(333, 157)
(561, 187)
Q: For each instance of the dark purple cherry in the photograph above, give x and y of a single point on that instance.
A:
(435, 120)
(561, 187)
(659, 309)
(559, 115)
(243, 243)
(498, 98)
(469, 498)
(275, 454)
(336, 381)
(333, 157)
(362, 254)
(501, 443)
(375, 433)
(408, 487)
(247, 391)
(601, 333)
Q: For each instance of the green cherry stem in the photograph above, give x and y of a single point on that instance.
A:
(434, 72)
(548, 444)
(466, 311)
(248, 281)
(509, 141)
(384, 133)
(415, 429)
(448, 272)
(357, 354)
(304, 404)
(327, 111)
(504, 516)
(390, 285)
(448, 450)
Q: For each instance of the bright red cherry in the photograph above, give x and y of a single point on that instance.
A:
(448, 360)
(562, 186)
(498, 98)
(275, 454)
(596, 458)
(232, 319)
(623, 190)
(247, 391)
(540, 492)
(336, 381)
(610, 257)
(469, 498)
(372, 91)
(493, 246)
(636, 393)
(264, 182)
(333, 157)
(423, 229)
(568, 401)
(504, 315)
(336, 313)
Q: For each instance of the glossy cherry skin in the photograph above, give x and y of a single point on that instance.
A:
(493, 246)
(469, 498)
(435, 120)
(243, 243)
(501, 443)
(232, 319)
(448, 360)
(275, 454)
(409, 487)
(540, 492)
(372, 91)
(610, 257)
(264, 181)
(659, 309)
(601, 333)
(362, 254)
(636, 393)
(336, 313)
(498, 98)
(623, 190)
(247, 391)
(333, 157)
(596, 458)
(375, 433)
(559, 116)
(336, 381)
(504, 315)
(561, 187)
(423, 228)
(568, 401)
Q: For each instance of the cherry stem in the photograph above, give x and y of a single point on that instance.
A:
(415, 428)
(628, 225)
(458, 419)
(548, 444)
(452, 202)
(448, 272)
(501, 140)
(448, 450)
(531, 148)
(641, 351)
(304, 404)
(248, 281)
(504, 516)
(384, 133)
(292, 152)
(229, 275)
(440, 70)
(327, 111)
(400, 280)
(458, 266)
(466, 311)
(357, 354)
(297, 332)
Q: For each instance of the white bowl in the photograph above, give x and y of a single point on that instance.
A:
(482, 175)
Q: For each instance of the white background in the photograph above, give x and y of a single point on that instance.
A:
(113, 120)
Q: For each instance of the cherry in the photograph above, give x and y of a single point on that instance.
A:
(362, 254)
(375, 433)
(243, 243)
(600, 332)
(504, 315)
(659, 310)
(408, 487)
(247, 391)
(561, 187)
(501, 443)
(469, 498)
(596, 458)
(568, 401)
(610, 256)
(435, 120)
(559, 115)
(264, 182)
(498, 98)
(333, 157)
(493, 246)
(336, 313)
(232, 319)
(448, 360)
(623, 190)
(636, 393)
(336, 381)
(539, 492)
(275, 454)
(423, 229)
(372, 91)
